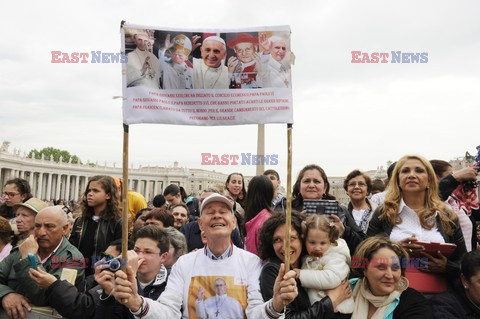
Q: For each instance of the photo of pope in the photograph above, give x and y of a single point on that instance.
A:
(219, 306)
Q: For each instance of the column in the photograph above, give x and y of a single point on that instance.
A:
(137, 188)
(129, 183)
(83, 183)
(77, 191)
(67, 188)
(49, 186)
(151, 184)
(40, 185)
(33, 183)
(155, 188)
(57, 188)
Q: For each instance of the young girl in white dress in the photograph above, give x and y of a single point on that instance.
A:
(328, 262)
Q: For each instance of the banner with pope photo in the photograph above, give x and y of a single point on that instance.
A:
(207, 77)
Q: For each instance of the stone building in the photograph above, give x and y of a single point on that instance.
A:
(59, 180)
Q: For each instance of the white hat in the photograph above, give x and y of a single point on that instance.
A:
(216, 198)
(215, 38)
(181, 43)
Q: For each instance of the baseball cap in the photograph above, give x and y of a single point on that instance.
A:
(216, 198)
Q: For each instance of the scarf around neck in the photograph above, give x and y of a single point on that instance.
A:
(362, 296)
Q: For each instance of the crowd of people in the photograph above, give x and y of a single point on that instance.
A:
(223, 254)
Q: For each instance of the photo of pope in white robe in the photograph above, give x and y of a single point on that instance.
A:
(219, 306)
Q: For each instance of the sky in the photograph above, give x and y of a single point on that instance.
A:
(346, 115)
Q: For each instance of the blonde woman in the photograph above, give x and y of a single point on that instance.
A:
(413, 211)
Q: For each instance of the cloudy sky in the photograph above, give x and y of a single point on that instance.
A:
(346, 115)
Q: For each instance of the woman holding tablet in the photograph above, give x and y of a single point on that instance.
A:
(312, 185)
(413, 211)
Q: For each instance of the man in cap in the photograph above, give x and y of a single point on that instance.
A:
(245, 68)
(142, 66)
(17, 290)
(275, 64)
(194, 275)
(177, 72)
(209, 71)
(25, 216)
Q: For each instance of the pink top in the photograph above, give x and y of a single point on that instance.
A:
(252, 227)
(5, 251)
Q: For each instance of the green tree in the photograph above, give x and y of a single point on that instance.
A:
(48, 152)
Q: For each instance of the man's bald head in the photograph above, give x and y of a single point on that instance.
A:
(51, 225)
(56, 212)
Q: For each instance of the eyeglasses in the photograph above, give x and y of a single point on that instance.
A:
(10, 194)
(355, 184)
(146, 252)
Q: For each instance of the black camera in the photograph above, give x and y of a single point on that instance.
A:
(114, 264)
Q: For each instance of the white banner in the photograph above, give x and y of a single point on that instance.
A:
(207, 77)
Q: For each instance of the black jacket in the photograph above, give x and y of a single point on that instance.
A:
(454, 305)
(107, 231)
(109, 308)
(300, 307)
(71, 303)
(376, 226)
(412, 305)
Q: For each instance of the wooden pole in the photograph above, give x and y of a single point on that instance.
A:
(261, 148)
(125, 214)
(289, 197)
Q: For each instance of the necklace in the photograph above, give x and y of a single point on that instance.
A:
(216, 80)
(218, 305)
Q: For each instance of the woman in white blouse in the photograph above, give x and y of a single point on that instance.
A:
(413, 211)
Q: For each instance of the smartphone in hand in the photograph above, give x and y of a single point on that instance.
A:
(32, 259)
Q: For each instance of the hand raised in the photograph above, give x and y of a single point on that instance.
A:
(30, 245)
(285, 289)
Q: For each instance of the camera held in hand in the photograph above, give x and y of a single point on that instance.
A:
(468, 185)
(113, 264)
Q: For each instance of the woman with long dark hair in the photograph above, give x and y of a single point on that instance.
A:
(257, 210)
(235, 188)
(272, 244)
(100, 222)
(15, 191)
